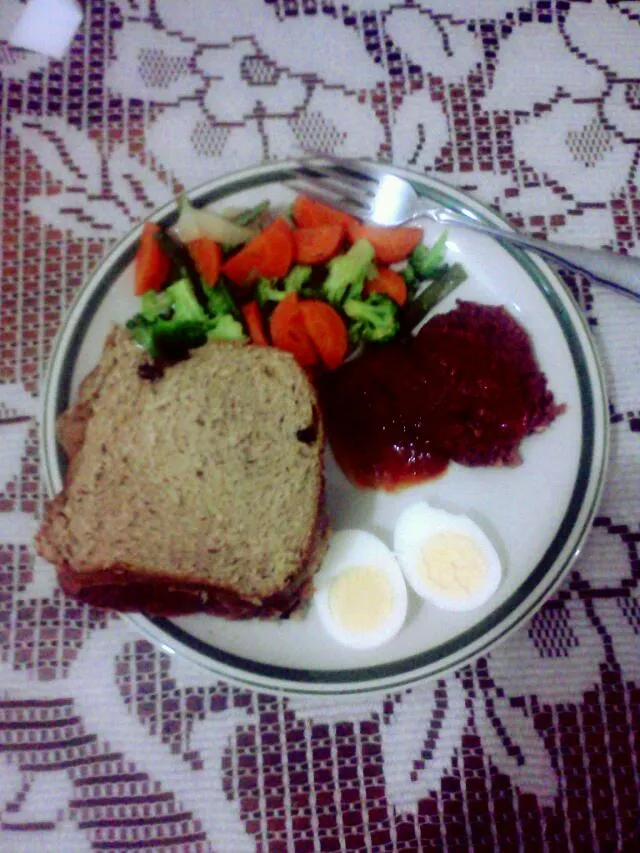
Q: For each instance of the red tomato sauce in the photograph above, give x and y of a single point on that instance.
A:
(467, 388)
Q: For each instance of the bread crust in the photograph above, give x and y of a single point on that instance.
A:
(124, 589)
(130, 587)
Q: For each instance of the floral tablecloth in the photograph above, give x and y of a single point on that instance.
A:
(108, 743)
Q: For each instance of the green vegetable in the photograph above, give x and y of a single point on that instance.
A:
(154, 306)
(225, 324)
(269, 290)
(297, 278)
(445, 284)
(140, 330)
(188, 312)
(195, 222)
(428, 263)
(173, 339)
(433, 293)
(373, 319)
(173, 320)
(182, 263)
(220, 301)
(181, 299)
(410, 278)
(246, 217)
(170, 319)
(275, 290)
(226, 328)
(347, 273)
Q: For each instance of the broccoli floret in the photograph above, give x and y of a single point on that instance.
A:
(183, 322)
(427, 263)
(347, 273)
(220, 301)
(275, 289)
(226, 328)
(373, 319)
(141, 331)
(269, 290)
(170, 319)
(174, 339)
(224, 323)
(178, 301)
(297, 278)
(154, 306)
(173, 320)
(185, 307)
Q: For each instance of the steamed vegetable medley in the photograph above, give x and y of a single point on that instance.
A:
(315, 282)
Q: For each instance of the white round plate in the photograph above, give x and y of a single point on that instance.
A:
(537, 514)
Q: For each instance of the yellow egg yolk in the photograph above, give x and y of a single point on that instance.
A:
(360, 598)
(453, 563)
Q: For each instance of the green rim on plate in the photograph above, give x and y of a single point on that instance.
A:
(469, 644)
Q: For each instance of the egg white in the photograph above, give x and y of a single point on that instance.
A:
(349, 549)
(416, 527)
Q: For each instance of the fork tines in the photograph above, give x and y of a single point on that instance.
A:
(343, 183)
(363, 169)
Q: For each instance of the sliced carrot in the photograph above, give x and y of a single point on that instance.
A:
(390, 244)
(288, 331)
(152, 265)
(255, 326)
(327, 331)
(268, 254)
(309, 213)
(207, 256)
(318, 244)
(390, 283)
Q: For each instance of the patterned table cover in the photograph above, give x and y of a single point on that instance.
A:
(108, 743)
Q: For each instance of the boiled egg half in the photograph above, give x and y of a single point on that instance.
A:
(361, 595)
(447, 558)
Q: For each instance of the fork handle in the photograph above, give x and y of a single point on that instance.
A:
(620, 272)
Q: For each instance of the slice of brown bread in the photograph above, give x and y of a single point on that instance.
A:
(199, 490)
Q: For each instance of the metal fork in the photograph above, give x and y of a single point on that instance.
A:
(373, 193)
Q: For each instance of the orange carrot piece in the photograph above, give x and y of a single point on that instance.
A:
(152, 265)
(390, 244)
(268, 254)
(327, 331)
(390, 283)
(317, 244)
(288, 331)
(255, 326)
(309, 213)
(207, 256)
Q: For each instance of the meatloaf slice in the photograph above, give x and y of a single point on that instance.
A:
(200, 489)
